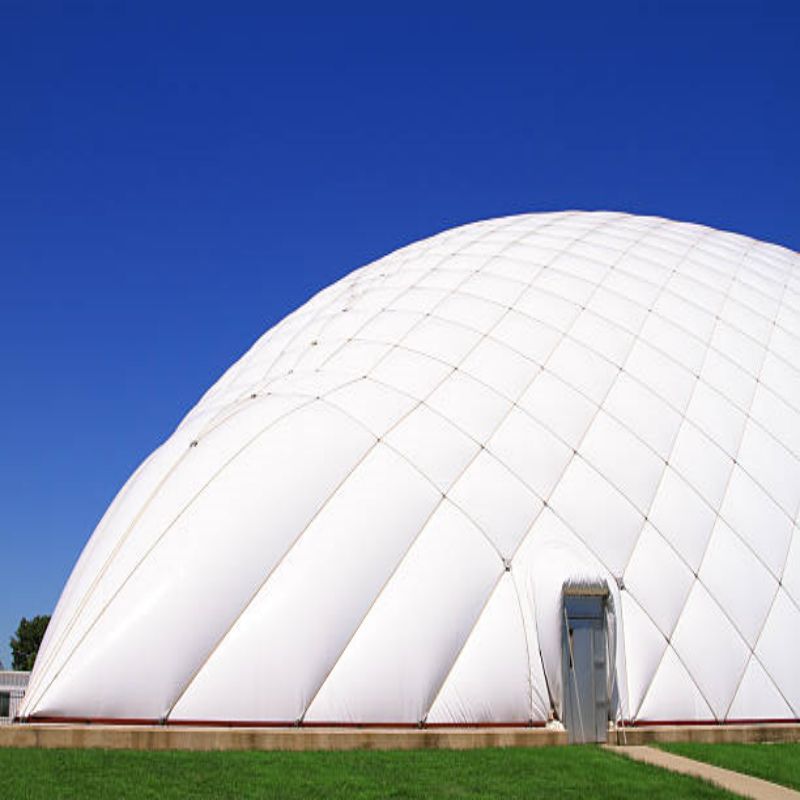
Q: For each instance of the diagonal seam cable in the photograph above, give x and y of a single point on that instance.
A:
(263, 584)
(525, 536)
(499, 423)
(463, 646)
(111, 557)
(124, 582)
(589, 426)
(696, 572)
(684, 421)
(779, 583)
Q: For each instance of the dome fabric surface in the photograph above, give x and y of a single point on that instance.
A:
(371, 516)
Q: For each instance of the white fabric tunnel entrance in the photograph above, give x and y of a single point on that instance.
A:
(585, 667)
(570, 589)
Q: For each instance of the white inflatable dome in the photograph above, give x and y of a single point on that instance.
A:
(372, 516)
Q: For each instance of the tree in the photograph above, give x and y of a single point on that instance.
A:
(25, 645)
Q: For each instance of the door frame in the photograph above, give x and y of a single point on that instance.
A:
(569, 679)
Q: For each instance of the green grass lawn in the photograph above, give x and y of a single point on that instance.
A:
(779, 763)
(558, 772)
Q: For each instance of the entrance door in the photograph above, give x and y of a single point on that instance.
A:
(585, 668)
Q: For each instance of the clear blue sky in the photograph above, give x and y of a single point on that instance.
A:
(174, 180)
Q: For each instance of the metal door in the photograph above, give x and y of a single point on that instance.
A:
(585, 681)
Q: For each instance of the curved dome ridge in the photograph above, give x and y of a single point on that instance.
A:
(371, 517)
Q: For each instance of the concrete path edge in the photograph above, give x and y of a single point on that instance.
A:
(736, 782)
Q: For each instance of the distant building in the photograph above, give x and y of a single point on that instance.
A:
(12, 690)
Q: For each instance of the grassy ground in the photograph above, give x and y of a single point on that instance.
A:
(574, 772)
(779, 763)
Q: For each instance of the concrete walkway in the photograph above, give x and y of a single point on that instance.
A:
(736, 782)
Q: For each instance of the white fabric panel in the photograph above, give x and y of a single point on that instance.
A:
(469, 405)
(727, 568)
(498, 366)
(662, 375)
(389, 326)
(778, 471)
(608, 339)
(643, 413)
(758, 697)
(565, 411)
(443, 340)
(781, 377)
(474, 312)
(582, 369)
(178, 490)
(375, 406)
(111, 529)
(447, 279)
(778, 649)
(623, 460)
(700, 462)
(539, 695)
(434, 446)
(723, 373)
(777, 417)
(404, 648)
(719, 419)
(745, 319)
(788, 318)
(758, 520)
(670, 339)
(237, 529)
(558, 282)
(641, 288)
(358, 357)
(278, 652)
(306, 385)
(685, 314)
(658, 579)
(600, 516)
(625, 313)
(585, 270)
(499, 503)
(512, 269)
(344, 323)
(116, 523)
(499, 290)
(682, 517)
(309, 357)
(415, 299)
(673, 696)
(532, 453)
(764, 285)
(644, 649)
(564, 313)
(546, 308)
(791, 573)
(527, 336)
(495, 655)
(730, 340)
(713, 652)
(410, 372)
(784, 344)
